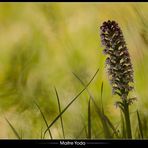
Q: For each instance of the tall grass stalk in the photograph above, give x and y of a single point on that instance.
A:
(101, 97)
(70, 103)
(44, 118)
(13, 129)
(59, 106)
(140, 125)
(123, 128)
(106, 123)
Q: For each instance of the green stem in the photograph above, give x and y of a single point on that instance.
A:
(127, 119)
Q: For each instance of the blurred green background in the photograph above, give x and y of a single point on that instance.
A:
(42, 44)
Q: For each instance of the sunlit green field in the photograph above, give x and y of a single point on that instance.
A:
(42, 46)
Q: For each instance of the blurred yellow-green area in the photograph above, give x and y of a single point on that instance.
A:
(43, 44)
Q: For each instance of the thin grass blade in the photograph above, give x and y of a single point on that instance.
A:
(13, 129)
(106, 129)
(90, 95)
(59, 106)
(102, 116)
(46, 123)
(123, 128)
(140, 125)
(41, 133)
(101, 98)
(63, 111)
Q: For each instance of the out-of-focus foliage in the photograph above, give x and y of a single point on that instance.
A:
(41, 44)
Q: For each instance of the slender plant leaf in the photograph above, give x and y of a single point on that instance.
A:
(41, 133)
(90, 95)
(46, 123)
(115, 131)
(139, 125)
(123, 128)
(137, 133)
(101, 98)
(89, 120)
(13, 129)
(71, 102)
(145, 126)
(59, 106)
(102, 116)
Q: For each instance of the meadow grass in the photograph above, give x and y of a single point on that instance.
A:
(42, 45)
(110, 131)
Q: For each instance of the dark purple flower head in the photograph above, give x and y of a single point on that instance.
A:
(118, 62)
